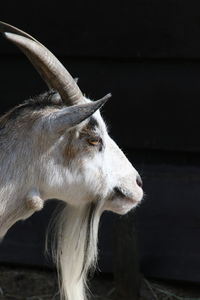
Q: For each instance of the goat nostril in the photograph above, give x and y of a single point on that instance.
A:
(139, 181)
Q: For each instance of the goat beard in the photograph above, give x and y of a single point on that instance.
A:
(75, 238)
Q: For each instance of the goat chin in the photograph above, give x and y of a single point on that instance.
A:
(74, 247)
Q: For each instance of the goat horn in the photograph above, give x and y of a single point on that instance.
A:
(48, 66)
(5, 27)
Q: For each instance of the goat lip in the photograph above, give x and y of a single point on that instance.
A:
(130, 200)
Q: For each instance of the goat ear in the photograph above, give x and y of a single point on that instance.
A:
(73, 115)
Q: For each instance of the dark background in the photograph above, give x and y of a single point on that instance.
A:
(147, 53)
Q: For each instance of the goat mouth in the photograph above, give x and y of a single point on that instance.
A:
(121, 204)
(123, 195)
(130, 200)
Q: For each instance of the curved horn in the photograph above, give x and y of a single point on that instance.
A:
(5, 27)
(48, 66)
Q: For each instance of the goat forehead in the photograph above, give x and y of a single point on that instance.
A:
(115, 152)
(98, 122)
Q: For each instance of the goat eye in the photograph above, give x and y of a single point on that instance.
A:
(94, 141)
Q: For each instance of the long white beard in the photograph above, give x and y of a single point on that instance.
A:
(76, 236)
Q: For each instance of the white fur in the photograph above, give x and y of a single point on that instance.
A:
(33, 169)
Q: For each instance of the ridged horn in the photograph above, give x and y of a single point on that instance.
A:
(48, 66)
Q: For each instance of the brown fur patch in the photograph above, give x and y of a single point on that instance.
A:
(70, 150)
(85, 133)
(70, 153)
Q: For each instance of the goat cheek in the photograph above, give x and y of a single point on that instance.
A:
(69, 153)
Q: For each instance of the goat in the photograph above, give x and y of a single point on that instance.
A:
(56, 146)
